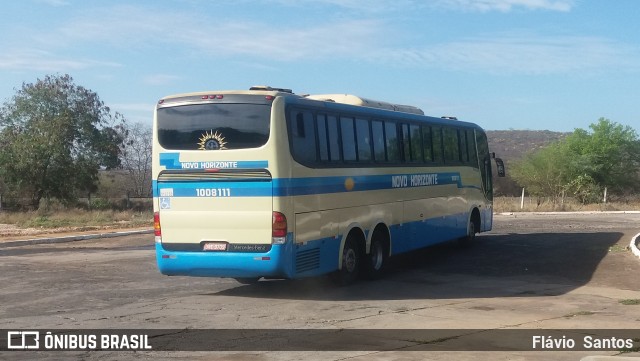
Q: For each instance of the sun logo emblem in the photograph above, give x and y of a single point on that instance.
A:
(212, 141)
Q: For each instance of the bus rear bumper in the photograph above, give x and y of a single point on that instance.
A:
(224, 264)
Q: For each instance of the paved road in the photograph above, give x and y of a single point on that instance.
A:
(531, 272)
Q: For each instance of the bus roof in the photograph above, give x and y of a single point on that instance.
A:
(335, 98)
(364, 102)
(329, 100)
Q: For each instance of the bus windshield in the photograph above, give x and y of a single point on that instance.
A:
(213, 126)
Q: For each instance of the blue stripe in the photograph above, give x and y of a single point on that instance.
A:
(222, 189)
(172, 161)
(282, 187)
(325, 185)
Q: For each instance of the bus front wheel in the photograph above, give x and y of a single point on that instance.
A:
(472, 229)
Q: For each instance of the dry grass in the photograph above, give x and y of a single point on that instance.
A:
(77, 218)
(512, 204)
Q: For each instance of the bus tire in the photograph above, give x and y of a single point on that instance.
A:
(247, 280)
(376, 260)
(351, 260)
(472, 228)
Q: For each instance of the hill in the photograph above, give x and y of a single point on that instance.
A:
(513, 144)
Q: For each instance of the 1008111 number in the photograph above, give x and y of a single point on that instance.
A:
(213, 192)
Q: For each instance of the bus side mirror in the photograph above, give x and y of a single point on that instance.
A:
(500, 166)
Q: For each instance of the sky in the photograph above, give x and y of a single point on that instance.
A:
(504, 64)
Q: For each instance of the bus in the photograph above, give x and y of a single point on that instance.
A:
(265, 183)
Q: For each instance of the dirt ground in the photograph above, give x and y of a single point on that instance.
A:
(10, 232)
(532, 272)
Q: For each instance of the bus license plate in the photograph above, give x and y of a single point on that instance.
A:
(215, 246)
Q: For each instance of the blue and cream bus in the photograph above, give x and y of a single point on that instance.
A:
(267, 183)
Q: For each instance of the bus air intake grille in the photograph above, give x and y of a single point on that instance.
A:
(308, 260)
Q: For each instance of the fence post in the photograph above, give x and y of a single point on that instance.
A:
(604, 200)
(128, 199)
(522, 200)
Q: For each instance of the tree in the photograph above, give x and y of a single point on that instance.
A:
(584, 163)
(609, 155)
(543, 173)
(136, 158)
(54, 137)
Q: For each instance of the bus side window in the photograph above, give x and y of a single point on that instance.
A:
(451, 145)
(473, 152)
(427, 145)
(437, 144)
(464, 149)
(412, 143)
(323, 139)
(348, 139)
(406, 143)
(391, 138)
(416, 143)
(364, 140)
(334, 138)
(377, 129)
(303, 136)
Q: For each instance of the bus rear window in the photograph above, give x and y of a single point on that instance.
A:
(213, 126)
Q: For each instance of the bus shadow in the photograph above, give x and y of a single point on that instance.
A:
(497, 265)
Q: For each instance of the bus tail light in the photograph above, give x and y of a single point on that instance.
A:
(213, 96)
(278, 228)
(157, 231)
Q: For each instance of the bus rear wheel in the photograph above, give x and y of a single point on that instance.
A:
(247, 280)
(351, 259)
(376, 259)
